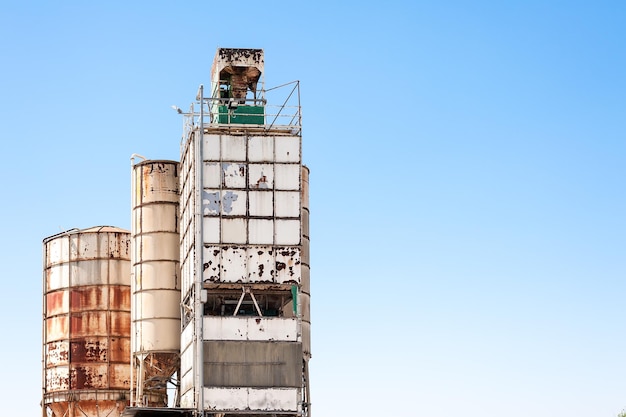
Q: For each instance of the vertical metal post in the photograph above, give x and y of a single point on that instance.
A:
(198, 313)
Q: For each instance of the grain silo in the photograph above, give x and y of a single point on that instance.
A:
(86, 329)
(245, 342)
(155, 281)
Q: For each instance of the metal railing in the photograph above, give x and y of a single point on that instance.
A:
(217, 111)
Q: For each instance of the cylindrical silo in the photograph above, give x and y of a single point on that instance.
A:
(86, 331)
(155, 281)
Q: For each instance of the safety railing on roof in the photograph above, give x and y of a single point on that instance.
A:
(277, 108)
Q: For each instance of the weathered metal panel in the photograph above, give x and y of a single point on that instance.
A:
(260, 263)
(57, 353)
(118, 349)
(158, 246)
(186, 360)
(224, 202)
(186, 399)
(233, 148)
(160, 275)
(261, 203)
(157, 218)
(80, 404)
(231, 399)
(186, 382)
(234, 231)
(304, 216)
(261, 149)
(251, 399)
(305, 251)
(118, 272)
(272, 329)
(93, 376)
(233, 175)
(89, 349)
(157, 181)
(84, 247)
(57, 302)
(287, 232)
(211, 148)
(287, 177)
(261, 231)
(88, 298)
(304, 302)
(212, 175)
(188, 267)
(89, 323)
(233, 265)
(57, 328)
(261, 176)
(287, 149)
(305, 282)
(287, 265)
(212, 256)
(57, 378)
(57, 276)
(306, 338)
(224, 328)
(287, 204)
(305, 187)
(250, 328)
(119, 376)
(186, 337)
(252, 364)
(88, 272)
(273, 399)
(57, 251)
(211, 230)
(158, 334)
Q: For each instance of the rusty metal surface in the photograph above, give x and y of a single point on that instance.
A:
(87, 322)
(87, 404)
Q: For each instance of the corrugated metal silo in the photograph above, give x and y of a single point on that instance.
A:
(86, 330)
(155, 282)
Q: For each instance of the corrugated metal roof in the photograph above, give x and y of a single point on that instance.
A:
(93, 229)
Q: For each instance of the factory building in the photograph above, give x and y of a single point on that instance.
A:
(216, 274)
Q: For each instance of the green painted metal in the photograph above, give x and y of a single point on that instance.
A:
(248, 115)
(294, 296)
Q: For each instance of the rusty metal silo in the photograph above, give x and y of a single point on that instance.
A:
(86, 323)
(155, 281)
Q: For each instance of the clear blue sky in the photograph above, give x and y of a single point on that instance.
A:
(468, 165)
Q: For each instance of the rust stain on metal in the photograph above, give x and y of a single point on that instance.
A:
(88, 298)
(89, 350)
(55, 303)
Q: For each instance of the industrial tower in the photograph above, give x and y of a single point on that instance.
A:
(203, 309)
(244, 257)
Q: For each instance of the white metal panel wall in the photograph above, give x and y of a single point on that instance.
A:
(186, 365)
(252, 264)
(250, 328)
(251, 203)
(251, 399)
(187, 210)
